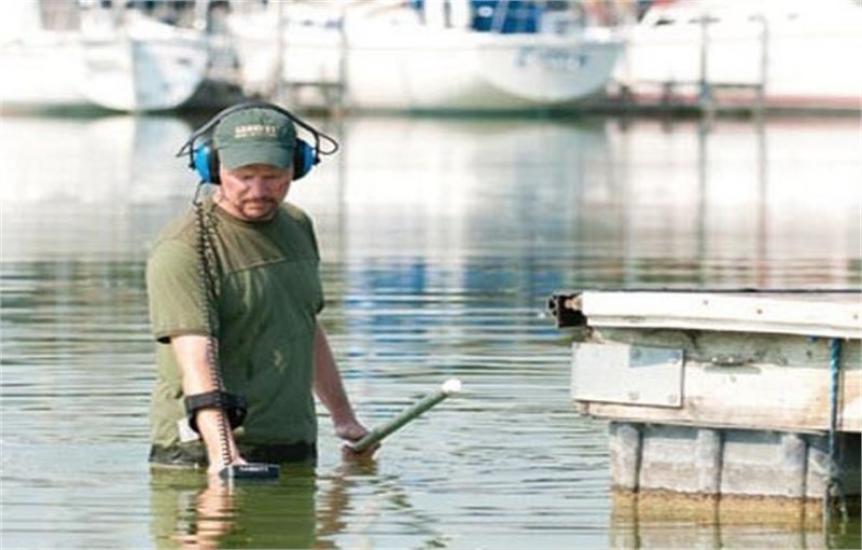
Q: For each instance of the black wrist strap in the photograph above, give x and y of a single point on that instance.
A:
(234, 407)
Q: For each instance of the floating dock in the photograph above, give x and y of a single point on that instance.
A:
(748, 397)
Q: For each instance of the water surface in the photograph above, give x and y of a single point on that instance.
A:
(442, 240)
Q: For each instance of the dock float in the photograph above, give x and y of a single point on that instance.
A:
(750, 397)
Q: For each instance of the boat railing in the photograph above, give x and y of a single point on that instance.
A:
(706, 85)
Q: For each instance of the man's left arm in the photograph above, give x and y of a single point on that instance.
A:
(330, 390)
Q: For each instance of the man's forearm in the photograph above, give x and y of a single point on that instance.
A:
(197, 377)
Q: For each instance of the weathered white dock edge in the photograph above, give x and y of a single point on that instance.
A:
(722, 394)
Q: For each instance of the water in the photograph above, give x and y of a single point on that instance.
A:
(442, 240)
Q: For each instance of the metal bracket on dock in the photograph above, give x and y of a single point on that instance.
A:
(730, 360)
(566, 308)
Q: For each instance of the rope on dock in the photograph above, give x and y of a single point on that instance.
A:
(834, 492)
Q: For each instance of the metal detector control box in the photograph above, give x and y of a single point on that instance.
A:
(251, 471)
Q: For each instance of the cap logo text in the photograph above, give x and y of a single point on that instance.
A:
(255, 130)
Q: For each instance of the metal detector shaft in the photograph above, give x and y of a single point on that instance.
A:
(377, 434)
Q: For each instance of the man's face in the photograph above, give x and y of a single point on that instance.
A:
(253, 192)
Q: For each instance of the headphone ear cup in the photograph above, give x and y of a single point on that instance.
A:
(203, 162)
(304, 159)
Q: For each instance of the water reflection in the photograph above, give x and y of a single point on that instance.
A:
(87, 190)
(441, 241)
(343, 508)
(190, 513)
(657, 521)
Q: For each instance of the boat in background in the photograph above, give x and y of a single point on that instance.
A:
(133, 62)
(475, 55)
(793, 53)
(39, 57)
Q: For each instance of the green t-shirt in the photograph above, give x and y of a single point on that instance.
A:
(269, 296)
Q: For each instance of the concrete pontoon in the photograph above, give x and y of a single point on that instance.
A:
(730, 395)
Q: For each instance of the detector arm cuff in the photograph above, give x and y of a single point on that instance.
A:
(234, 407)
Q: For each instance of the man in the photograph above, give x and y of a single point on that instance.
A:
(264, 331)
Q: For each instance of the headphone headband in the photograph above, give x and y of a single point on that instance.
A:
(319, 136)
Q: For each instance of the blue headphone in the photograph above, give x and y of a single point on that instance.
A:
(203, 157)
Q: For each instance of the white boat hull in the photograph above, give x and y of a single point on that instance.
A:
(41, 73)
(410, 66)
(811, 52)
(476, 73)
(134, 75)
(151, 67)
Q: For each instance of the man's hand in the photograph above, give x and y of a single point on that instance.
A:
(352, 431)
(330, 390)
(217, 466)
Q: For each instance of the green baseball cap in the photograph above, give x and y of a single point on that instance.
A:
(255, 136)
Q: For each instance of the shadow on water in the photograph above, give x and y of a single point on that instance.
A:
(441, 241)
